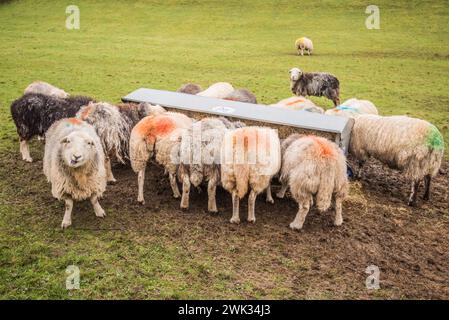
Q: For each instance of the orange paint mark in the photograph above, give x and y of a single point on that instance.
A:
(295, 101)
(252, 138)
(324, 147)
(86, 112)
(155, 126)
(74, 121)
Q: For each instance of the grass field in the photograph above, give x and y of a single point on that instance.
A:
(403, 68)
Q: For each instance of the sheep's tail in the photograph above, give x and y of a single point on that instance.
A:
(325, 190)
(241, 172)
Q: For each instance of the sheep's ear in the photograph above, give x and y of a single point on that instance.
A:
(64, 140)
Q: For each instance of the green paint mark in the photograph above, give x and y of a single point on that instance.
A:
(435, 139)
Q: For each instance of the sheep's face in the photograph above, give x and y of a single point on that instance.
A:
(295, 73)
(76, 149)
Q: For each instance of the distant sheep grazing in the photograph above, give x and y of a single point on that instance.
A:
(352, 108)
(158, 136)
(45, 88)
(219, 90)
(250, 157)
(74, 165)
(315, 84)
(313, 167)
(200, 157)
(299, 103)
(34, 113)
(242, 95)
(413, 146)
(190, 88)
(302, 44)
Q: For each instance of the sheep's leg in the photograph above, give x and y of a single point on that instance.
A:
(174, 185)
(211, 193)
(25, 150)
(99, 211)
(413, 193)
(109, 175)
(281, 193)
(338, 216)
(251, 204)
(140, 183)
(67, 220)
(269, 196)
(185, 191)
(301, 215)
(302, 52)
(235, 208)
(427, 182)
(359, 170)
(308, 52)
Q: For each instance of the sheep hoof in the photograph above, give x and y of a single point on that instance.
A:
(112, 181)
(294, 226)
(212, 210)
(100, 213)
(251, 220)
(235, 220)
(176, 196)
(142, 202)
(184, 207)
(270, 200)
(338, 223)
(280, 195)
(28, 159)
(66, 224)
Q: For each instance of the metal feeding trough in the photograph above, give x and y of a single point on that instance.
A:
(286, 121)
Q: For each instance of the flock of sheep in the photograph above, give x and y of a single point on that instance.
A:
(82, 138)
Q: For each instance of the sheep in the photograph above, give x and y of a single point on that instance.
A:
(242, 95)
(218, 90)
(299, 103)
(112, 128)
(190, 88)
(302, 44)
(315, 84)
(200, 157)
(74, 165)
(250, 157)
(412, 146)
(134, 112)
(45, 88)
(34, 113)
(158, 135)
(352, 108)
(313, 167)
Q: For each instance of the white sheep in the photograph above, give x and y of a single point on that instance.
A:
(352, 108)
(250, 157)
(313, 167)
(158, 135)
(46, 89)
(200, 157)
(411, 145)
(302, 44)
(298, 103)
(74, 165)
(219, 90)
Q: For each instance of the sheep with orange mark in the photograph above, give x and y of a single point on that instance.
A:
(157, 136)
(299, 103)
(74, 165)
(250, 157)
(112, 128)
(46, 89)
(413, 146)
(219, 90)
(313, 167)
(353, 108)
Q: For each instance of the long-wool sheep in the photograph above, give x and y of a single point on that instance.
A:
(34, 113)
(134, 112)
(200, 157)
(410, 145)
(74, 165)
(242, 95)
(315, 84)
(302, 44)
(219, 90)
(158, 135)
(250, 157)
(352, 108)
(299, 103)
(45, 88)
(190, 88)
(313, 167)
(112, 128)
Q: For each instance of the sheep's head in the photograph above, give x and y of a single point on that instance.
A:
(77, 149)
(295, 73)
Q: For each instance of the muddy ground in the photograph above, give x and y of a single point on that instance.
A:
(409, 245)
